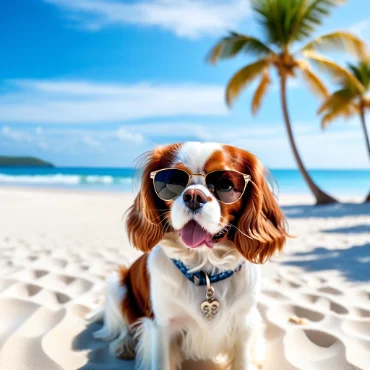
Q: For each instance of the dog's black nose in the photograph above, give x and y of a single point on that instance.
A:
(194, 198)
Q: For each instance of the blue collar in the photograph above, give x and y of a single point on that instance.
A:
(198, 277)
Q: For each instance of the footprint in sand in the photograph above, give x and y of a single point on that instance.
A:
(71, 285)
(324, 303)
(281, 315)
(330, 290)
(22, 290)
(364, 297)
(361, 312)
(275, 294)
(311, 349)
(29, 274)
(51, 299)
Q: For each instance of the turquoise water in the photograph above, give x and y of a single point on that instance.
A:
(337, 182)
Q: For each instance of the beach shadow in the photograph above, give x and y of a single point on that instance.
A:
(353, 263)
(332, 210)
(358, 229)
(99, 357)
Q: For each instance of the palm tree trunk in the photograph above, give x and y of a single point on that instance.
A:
(321, 197)
(367, 140)
(363, 123)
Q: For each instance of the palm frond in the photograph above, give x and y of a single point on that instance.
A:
(275, 17)
(261, 91)
(243, 77)
(345, 110)
(286, 21)
(311, 15)
(338, 73)
(337, 99)
(340, 103)
(313, 81)
(266, 16)
(337, 41)
(362, 72)
(236, 43)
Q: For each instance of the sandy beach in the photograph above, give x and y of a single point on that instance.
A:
(58, 247)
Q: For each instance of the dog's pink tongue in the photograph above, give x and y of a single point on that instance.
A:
(193, 235)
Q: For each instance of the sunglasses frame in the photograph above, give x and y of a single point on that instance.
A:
(246, 177)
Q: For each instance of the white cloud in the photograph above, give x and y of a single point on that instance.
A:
(87, 102)
(173, 129)
(92, 143)
(125, 135)
(81, 102)
(15, 135)
(79, 88)
(185, 18)
(24, 136)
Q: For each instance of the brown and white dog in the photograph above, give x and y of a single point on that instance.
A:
(156, 308)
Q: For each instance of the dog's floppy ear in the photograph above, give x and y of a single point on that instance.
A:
(262, 228)
(145, 221)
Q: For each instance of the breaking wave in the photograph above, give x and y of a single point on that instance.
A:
(63, 179)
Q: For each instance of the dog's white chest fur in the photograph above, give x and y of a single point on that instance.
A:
(176, 302)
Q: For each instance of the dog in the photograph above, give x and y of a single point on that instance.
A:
(205, 218)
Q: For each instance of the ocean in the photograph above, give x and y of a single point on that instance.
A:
(336, 182)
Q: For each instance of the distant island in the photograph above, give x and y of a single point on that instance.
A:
(23, 162)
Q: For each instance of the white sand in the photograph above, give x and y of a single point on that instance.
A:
(57, 248)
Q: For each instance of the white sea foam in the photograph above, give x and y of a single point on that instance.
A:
(41, 179)
(61, 179)
(99, 179)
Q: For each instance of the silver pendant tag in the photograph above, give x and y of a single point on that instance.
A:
(210, 309)
(210, 306)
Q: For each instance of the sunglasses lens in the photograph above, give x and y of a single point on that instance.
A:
(227, 186)
(170, 183)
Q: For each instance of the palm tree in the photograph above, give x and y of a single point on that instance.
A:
(284, 23)
(350, 100)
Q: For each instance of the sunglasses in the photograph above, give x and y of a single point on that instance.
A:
(227, 186)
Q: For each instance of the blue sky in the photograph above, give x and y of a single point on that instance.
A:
(97, 82)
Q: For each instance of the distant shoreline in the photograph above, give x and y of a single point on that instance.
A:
(19, 162)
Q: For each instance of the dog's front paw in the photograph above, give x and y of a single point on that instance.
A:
(123, 348)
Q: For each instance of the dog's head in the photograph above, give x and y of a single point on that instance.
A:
(218, 196)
